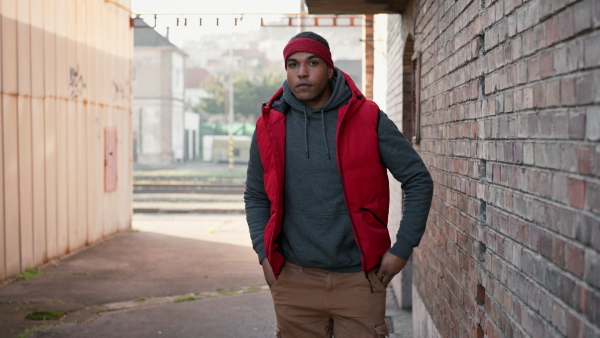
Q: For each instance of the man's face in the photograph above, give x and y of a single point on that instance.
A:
(308, 77)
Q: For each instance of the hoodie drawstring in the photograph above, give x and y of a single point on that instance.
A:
(325, 135)
(306, 131)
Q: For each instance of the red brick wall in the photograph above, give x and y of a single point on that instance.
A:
(510, 126)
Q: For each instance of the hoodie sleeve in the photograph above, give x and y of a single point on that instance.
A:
(257, 203)
(405, 164)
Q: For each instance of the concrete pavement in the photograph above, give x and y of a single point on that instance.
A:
(173, 275)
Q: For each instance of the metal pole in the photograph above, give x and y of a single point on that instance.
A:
(231, 147)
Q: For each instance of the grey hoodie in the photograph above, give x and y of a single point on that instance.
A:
(316, 230)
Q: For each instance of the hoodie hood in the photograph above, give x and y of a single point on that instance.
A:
(340, 95)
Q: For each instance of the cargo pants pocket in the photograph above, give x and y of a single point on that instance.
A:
(381, 330)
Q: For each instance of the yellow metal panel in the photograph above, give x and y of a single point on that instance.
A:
(79, 37)
(62, 66)
(71, 149)
(9, 46)
(49, 48)
(24, 48)
(37, 48)
(99, 170)
(11, 185)
(81, 176)
(2, 222)
(62, 206)
(51, 177)
(92, 190)
(39, 189)
(25, 181)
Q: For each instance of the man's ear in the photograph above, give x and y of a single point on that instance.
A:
(330, 72)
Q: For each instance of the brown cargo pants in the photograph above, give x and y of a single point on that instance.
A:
(316, 303)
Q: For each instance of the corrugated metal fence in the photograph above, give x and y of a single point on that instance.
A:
(66, 79)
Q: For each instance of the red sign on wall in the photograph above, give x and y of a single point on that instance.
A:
(110, 159)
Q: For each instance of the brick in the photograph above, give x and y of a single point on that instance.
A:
(552, 31)
(533, 68)
(528, 153)
(560, 186)
(592, 130)
(528, 97)
(597, 86)
(539, 95)
(560, 59)
(577, 125)
(546, 244)
(596, 16)
(567, 91)
(553, 150)
(553, 93)
(558, 252)
(591, 47)
(583, 16)
(539, 32)
(560, 125)
(592, 268)
(594, 233)
(585, 156)
(540, 155)
(522, 72)
(528, 43)
(574, 326)
(534, 239)
(576, 193)
(592, 197)
(566, 22)
(546, 64)
(508, 102)
(559, 318)
(584, 90)
(518, 99)
(569, 157)
(575, 259)
(575, 55)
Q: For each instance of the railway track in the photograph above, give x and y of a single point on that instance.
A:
(189, 188)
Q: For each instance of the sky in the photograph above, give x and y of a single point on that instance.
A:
(214, 6)
(227, 11)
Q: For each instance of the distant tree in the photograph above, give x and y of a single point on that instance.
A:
(248, 95)
(216, 103)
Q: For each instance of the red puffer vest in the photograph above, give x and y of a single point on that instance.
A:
(364, 178)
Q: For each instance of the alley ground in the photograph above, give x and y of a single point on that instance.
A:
(173, 275)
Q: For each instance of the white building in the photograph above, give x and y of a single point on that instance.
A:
(159, 121)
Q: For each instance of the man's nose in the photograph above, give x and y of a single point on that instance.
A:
(302, 71)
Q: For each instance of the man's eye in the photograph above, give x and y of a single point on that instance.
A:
(313, 63)
(291, 65)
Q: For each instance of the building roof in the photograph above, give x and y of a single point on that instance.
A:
(197, 77)
(146, 36)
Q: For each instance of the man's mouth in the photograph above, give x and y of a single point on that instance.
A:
(303, 85)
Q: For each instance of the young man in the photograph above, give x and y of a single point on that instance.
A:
(317, 199)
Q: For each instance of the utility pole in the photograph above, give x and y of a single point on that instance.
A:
(231, 73)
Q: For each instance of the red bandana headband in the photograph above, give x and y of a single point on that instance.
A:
(309, 46)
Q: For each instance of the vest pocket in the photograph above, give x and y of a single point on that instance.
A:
(374, 216)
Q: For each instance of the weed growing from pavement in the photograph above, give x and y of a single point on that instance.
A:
(185, 299)
(250, 290)
(35, 329)
(45, 315)
(30, 273)
(141, 299)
